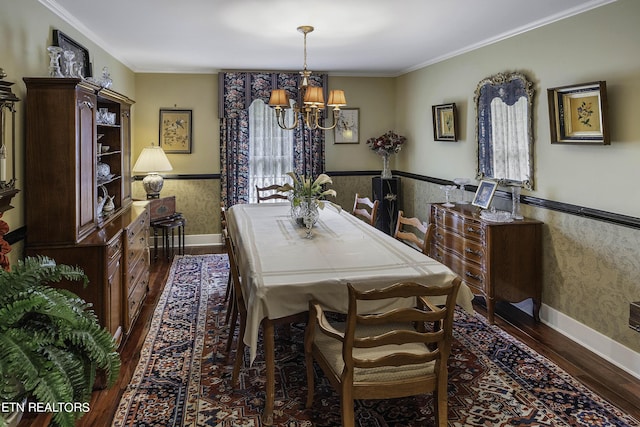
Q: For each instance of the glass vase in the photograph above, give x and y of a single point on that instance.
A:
(54, 61)
(69, 63)
(310, 214)
(386, 170)
(515, 202)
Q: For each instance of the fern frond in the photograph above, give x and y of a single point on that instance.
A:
(51, 341)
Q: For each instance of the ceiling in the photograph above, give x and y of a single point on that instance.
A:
(351, 37)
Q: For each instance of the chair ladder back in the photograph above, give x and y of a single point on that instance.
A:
(272, 193)
(405, 227)
(366, 209)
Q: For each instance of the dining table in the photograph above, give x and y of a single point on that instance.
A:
(282, 269)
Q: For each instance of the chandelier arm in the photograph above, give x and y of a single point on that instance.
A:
(336, 112)
(309, 119)
(280, 119)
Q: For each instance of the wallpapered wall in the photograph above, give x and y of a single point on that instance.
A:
(197, 199)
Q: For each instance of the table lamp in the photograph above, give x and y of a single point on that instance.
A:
(152, 160)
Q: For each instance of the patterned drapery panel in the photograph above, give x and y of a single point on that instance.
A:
(237, 91)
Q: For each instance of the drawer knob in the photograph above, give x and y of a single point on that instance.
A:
(473, 230)
(473, 276)
(473, 252)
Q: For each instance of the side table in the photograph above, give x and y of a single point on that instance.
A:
(168, 226)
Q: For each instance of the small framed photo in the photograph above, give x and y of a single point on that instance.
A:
(80, 54)
(484, 194)
(579, 114)
(176, 131)
(347, 130)
(444, 122)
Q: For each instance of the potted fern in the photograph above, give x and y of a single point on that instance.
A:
(51, 343)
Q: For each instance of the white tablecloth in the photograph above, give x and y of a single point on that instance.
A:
(281, 270)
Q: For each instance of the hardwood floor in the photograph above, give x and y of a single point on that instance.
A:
(610, 382)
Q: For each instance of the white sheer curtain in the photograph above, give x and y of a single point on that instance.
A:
(270, 148)
(514, 160)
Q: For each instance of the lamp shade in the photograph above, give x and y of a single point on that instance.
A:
(279, 98)
(313, 97)
(337, 98)
(152, 159)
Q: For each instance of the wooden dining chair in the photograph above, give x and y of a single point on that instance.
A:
(384, 355)
(269, 193)
(228, 295)
(223, 228)
(364, 208)
(414, 232)
(239, 312)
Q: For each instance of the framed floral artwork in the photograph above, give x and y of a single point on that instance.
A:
(444, 122)
(347, 130)
(176, 131)
(578, 114)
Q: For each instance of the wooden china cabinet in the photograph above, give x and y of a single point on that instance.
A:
(65, 184)
(499, 261)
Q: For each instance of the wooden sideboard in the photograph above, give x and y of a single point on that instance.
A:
(498, 261)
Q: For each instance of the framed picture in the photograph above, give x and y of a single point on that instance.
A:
(579, 114)
(81, 54)
(347, 130)
(176, 131)
(484, 194)
(444, 122)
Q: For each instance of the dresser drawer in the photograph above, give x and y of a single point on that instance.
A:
(137, 296)
(134, 272)
(137, 226)
(467, 227)
(136, 247)
(470, 272)
(114, 249)
(469, 249)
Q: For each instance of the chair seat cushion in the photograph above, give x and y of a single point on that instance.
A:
(332, 351)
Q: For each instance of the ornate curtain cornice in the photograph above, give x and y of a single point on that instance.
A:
(238, 89)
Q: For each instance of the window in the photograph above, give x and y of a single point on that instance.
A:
(270, 148)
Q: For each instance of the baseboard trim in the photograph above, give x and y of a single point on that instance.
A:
(201, 240)
(610, 350)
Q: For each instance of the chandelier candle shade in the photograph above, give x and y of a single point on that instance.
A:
(312, 98)
(152, 160)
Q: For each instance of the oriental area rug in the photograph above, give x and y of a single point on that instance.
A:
(183, 376)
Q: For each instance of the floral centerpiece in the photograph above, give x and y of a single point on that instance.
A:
(304, 189)
(386, 145)
(306, 196)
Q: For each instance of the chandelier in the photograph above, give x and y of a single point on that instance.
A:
(312, 97)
